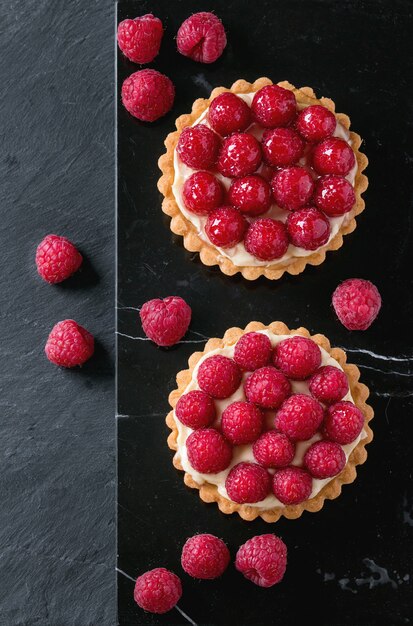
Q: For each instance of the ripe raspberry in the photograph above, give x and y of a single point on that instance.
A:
(165, 321)
(205, 556)
(334, 195)
(273, 106)
(202, 193)
(324, 459)
(69, 344)
(229, 114)
(250, 194)
(299, 417)
(263, 560)
(158, 590)
(267, 387)
(292, 188)
(281, 147)
(195, 409)
(140, 39)
(273, 449)
(316, 123)
(292, 485)
(241, 423)
(57, 259)
(225, 227)
(297, 357)
(148, 95)
(219, 376)
(201, 37)
(252, 350)
(208, 451)
(328, 384)
(198, 146)
(240, 155)
(266, 239)
(333, 156)
(357, 303)
(343, 422)
(248, 483)
(308, 228)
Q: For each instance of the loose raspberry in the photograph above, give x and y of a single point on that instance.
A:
(343, 422)
(229, 114)
(219, 376)
(357, 303)
(250, 194)
(273, 449)
(201, 37)
(248, 483)
(202, 193)
(140, 39)
(316, 123)
(266, 239)
(240, 155)
(334, 195)
(225, 227)
(208, 451)
(297, 357)
(292, 485)
(252, 350)
(148, 95)
(281, 147)
(292, 188)
(328, 384)
(333, 156)
(263, 560)
(198, 146)
(299, 417)
(241, 423)
(324, 459)
(205, 556)
(158, 590)
(273, 106)
(69, 344)
(57, 259)
(308, 228)
(267, 387)
(195, 409)
(165, 321)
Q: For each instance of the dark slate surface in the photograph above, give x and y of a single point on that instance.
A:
(57, 434)
(351, 563)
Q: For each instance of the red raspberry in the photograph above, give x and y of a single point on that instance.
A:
(241, 423)
(333, 156)
(273, 449)
(240, 155)
(297, 357)
(324, 459)
(195, 409)
(357, 303)
(334, 195)
(328, 384)
(292, 485)
(205, 556)
(308, 228)
(219, 376)
(140, 39)
(250, 194)
(69, 344)
(343, 422)
(316, 123)
(198, 146)
(273, 106)
(299, 417)
(57, 259)
(263, 560)
(248, 483)
(252, 350)
(281, 147)
(202, 193)
(208, 451)
(148, 95)
(158, 590)
(267, 387)
(201, 37)
(292, 188)
(225, 227)
(165, 321)
(266, 239)
(229, 114)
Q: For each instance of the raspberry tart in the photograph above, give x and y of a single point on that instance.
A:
(262, 178)
(269, 422)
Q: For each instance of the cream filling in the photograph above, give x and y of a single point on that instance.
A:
(238, 254)
(244, 453)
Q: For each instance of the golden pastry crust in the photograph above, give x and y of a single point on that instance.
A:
(209, 255)
(209, 492)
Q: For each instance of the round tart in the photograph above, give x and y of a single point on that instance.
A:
(269, 422)
(262, 179)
